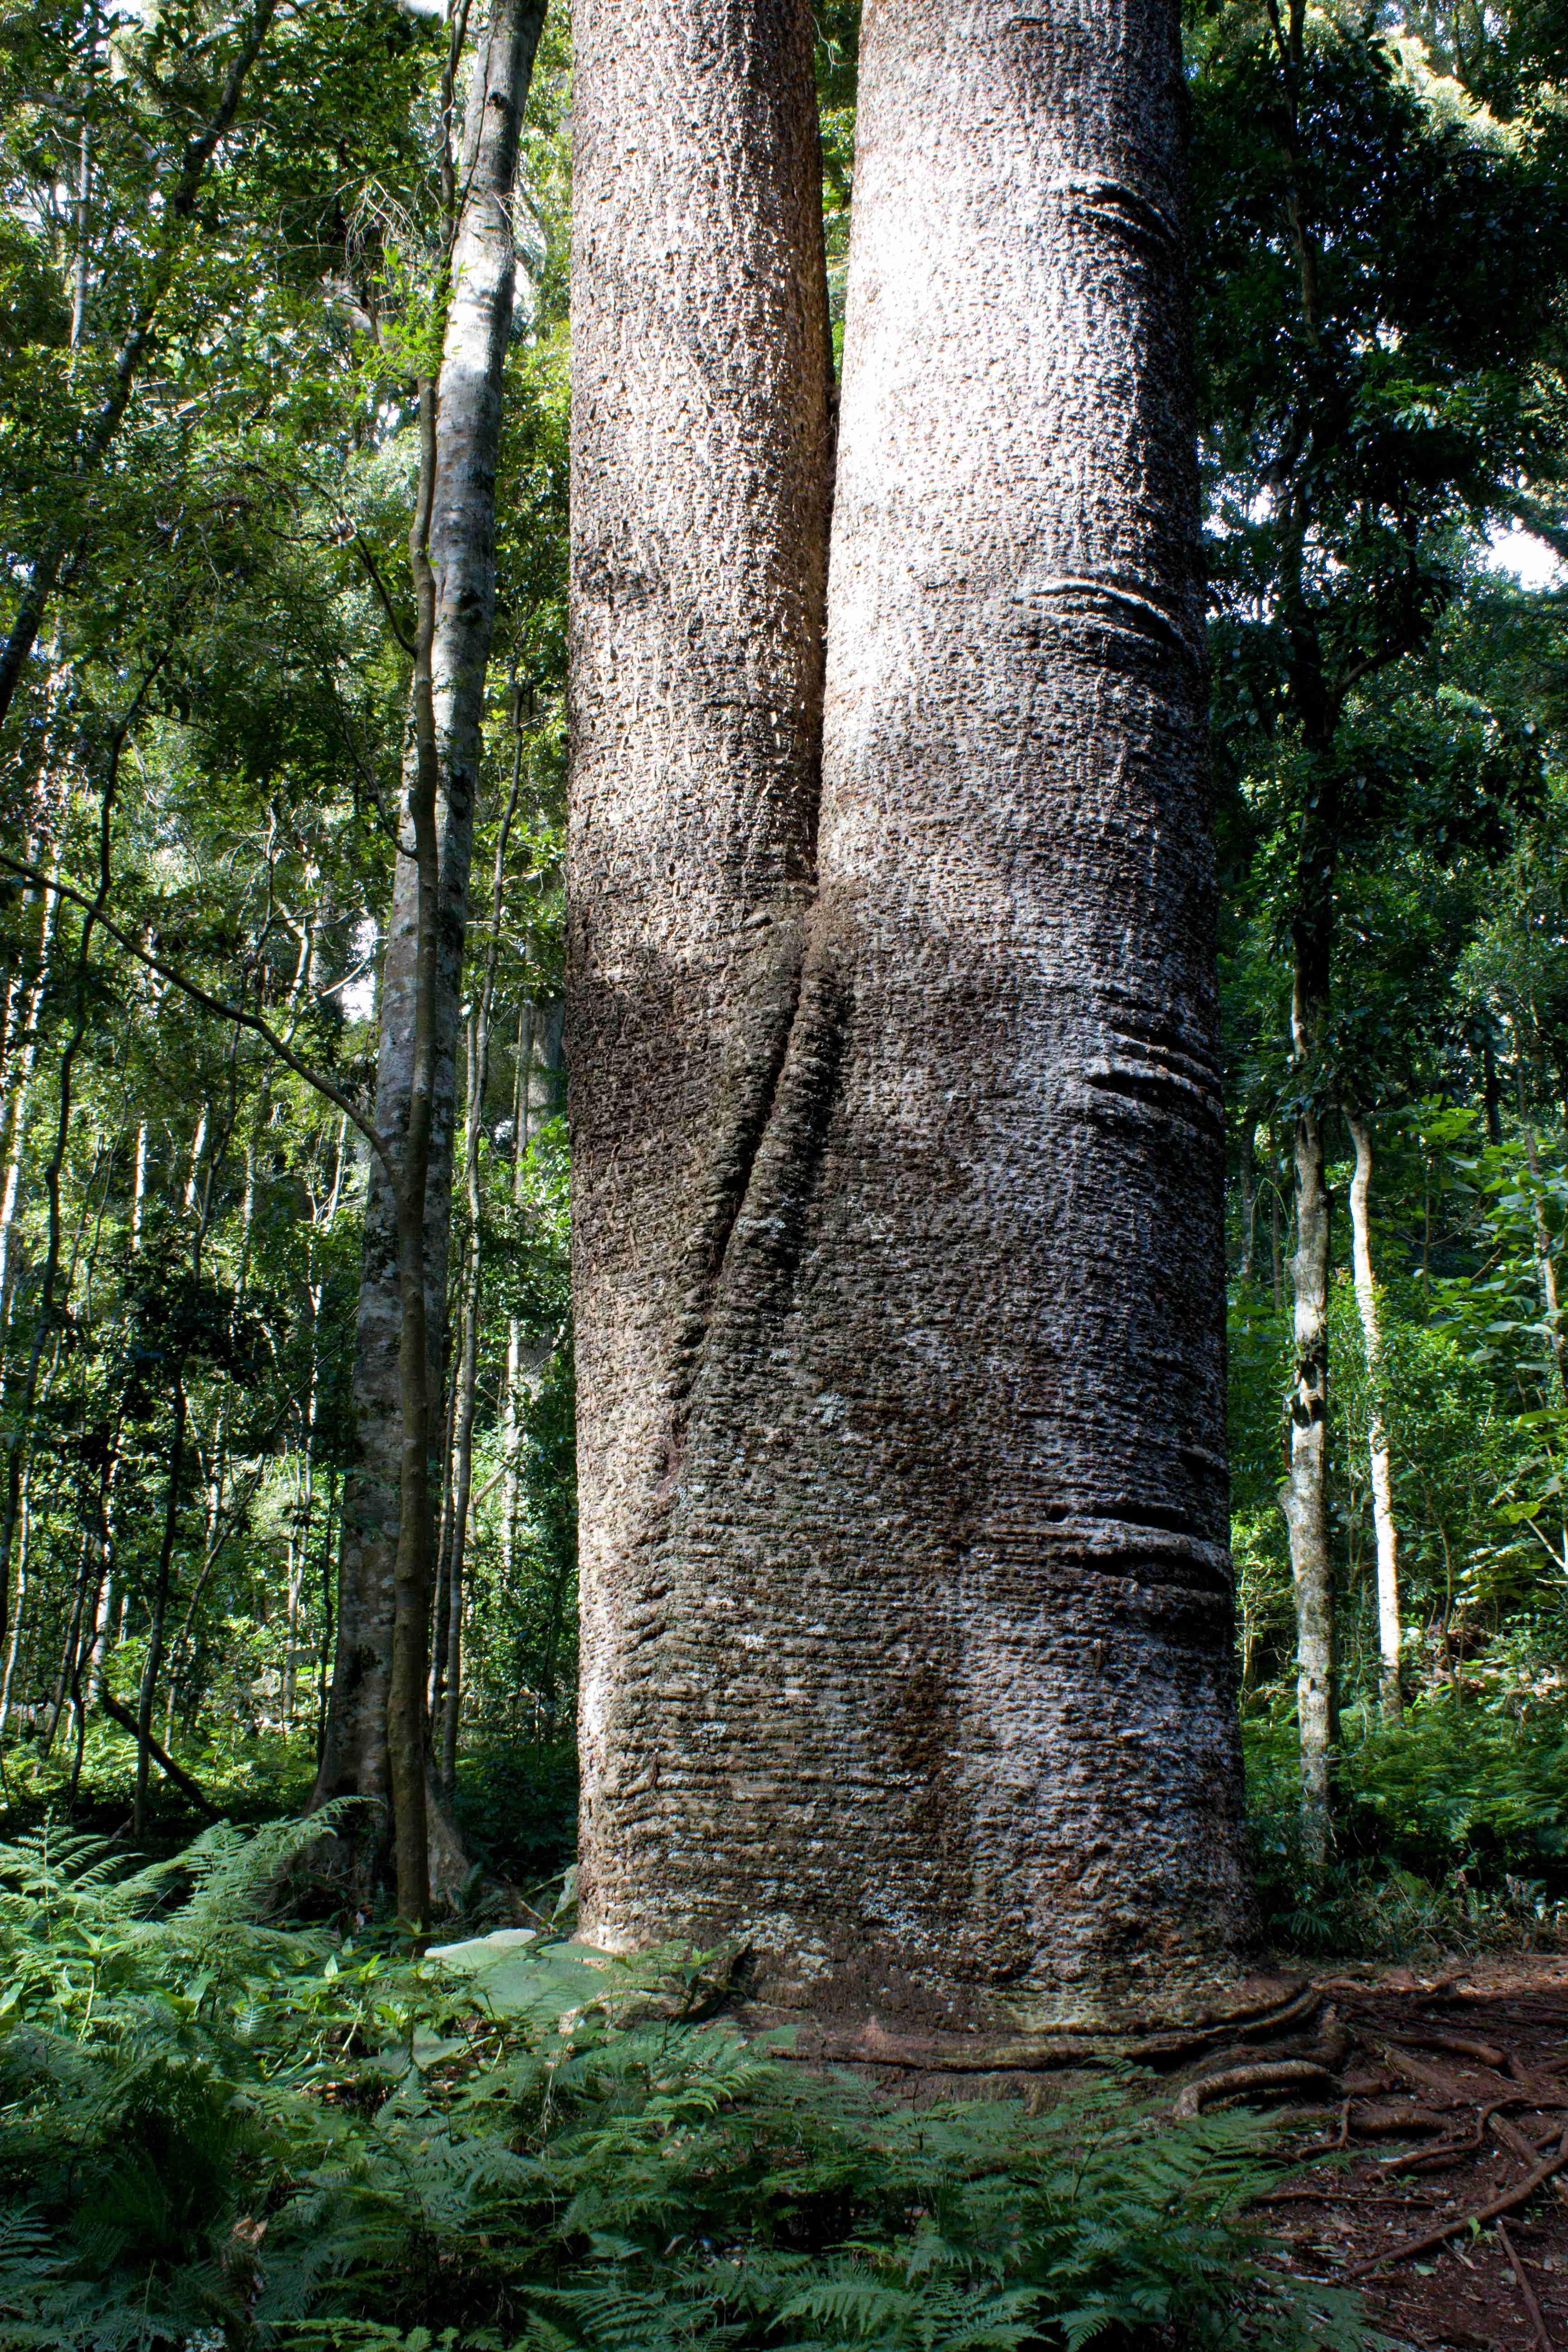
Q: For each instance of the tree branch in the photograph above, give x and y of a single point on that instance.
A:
(218, 1005)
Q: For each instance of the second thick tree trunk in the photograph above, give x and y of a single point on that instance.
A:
(908, 1609)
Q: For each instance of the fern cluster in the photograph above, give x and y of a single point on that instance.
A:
(218, 2132)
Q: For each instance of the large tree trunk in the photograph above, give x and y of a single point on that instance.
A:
(899, 1259)
(354, 1758)
(1378, 1463)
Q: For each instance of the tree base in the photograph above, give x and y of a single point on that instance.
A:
(1276, 2021)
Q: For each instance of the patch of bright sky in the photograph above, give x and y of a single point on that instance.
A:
(357, 993)
(1528, 559)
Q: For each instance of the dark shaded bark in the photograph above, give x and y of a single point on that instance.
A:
(898, 1183)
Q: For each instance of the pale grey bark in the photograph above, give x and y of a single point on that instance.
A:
(1304, 1499)
(138, 1189)
(907, 1638)
(462, 554)
(13, 1649)
(1385, 1526)
(103, 1621)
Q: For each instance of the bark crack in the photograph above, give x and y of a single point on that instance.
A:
(691, 1346)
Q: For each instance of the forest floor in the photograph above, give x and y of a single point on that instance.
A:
(1458, 2084)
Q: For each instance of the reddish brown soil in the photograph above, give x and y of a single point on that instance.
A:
(1421, 2149)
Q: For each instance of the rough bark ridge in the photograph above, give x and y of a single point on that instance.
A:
(462, 554)
(906, 1604)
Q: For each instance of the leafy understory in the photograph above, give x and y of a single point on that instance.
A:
(218, 2131)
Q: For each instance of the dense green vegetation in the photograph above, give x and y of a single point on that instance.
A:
(220, 2131)
(216, 2122)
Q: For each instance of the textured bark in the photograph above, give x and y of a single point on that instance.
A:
(898, 1246)
(462, 554)
(1384, 1526)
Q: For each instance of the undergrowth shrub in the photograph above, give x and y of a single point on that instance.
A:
(517, 1806)
(1451, 1831)
(257, 1781)
(218, 2132)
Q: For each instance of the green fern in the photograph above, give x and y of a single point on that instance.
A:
(218, 2131)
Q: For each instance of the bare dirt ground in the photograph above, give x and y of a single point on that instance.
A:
(1444, 2190)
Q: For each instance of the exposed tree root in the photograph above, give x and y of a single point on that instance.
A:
(1508, 2202)
(1526, 2292)
(1284, 2075)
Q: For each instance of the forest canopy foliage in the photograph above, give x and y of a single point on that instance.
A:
(211, 343)
(210, 725)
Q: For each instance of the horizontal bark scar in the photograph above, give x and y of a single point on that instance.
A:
(1107, 602)
(1113, 204)
(1157, 1087)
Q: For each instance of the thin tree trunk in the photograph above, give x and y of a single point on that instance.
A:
(80, 1585)
(1387, 1534)
(444, 1529)
(193, 1173)
(1545, 1264)
(460, 533)
(1304, 1498)
(1493, 1088)
(477, 1065)
(19, 1412)
(417, 1389)
(14, 1646)
(101, 1624)
(159, 1611)
(907, 1608)
(329, 1555)
(538, 1065)
(512, 1417)
(1248, 1202)
(138, 1189)
(19, 1094)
